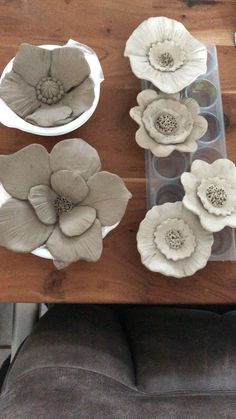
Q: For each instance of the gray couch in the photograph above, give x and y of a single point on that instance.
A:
(97, 362)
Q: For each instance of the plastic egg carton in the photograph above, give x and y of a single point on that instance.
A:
(163, 173)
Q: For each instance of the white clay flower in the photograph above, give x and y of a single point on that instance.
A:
(172, 241)
(162, 51)
(167, 122)
(61, 200)
(175, 239)
(210, 192)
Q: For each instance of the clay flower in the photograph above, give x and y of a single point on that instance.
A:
(210, 192)
(167, 123)
(61, 199)
(172, 241)
(48, 87)
(162, 51)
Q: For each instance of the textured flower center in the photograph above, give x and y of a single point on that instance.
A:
(165, 60)
(62, 205)
(49, 90)
(216, 196)
(175, 239)
(166, 56)
(166, 123)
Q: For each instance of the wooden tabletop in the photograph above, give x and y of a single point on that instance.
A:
(119, 276)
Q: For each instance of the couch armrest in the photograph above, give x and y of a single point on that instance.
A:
(85, 337)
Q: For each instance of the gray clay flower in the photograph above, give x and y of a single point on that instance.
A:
(167, 122)
(61, 199)
(48, 87)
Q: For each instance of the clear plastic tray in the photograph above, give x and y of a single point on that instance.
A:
(163, 174)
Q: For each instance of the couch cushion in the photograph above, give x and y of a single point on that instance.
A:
(182, 350)
(88, 337)
(78, 394)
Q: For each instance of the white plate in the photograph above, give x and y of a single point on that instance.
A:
(12, 120)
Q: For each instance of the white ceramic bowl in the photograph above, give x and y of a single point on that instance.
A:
(12, 120)
(43, 251)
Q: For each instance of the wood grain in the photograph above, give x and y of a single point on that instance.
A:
(119, 276)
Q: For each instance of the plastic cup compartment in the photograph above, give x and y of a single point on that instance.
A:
(203, 91)
(223, 241)
(172, 166)
(213, 130)
(169, 193)
(207, 154)
(169, 169)
(211, 63)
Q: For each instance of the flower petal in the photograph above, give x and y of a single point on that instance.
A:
(142, 68)
(189, 181)
(18, 95)
(70, 185)
(186, 74)
(201, 169)
(32, 63)
(189, 145)
(223, 168)
(77, 221)
(49, 116)
(42, 198)
(20, 228)
(199, 127)
(81, 98)
(192, 106)
(87, 247)
(146, 96)
(174, 96)
(69, 66)
(140, 40)
(76, 155)
(26, 168)
(161, 150)
(167, 81)
(109, 196)
(143, 140)
(152, 30)
(136, 114)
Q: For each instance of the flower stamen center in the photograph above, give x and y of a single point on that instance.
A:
(165, 60)
(49, 90)
(166, 123)
(165, 56)
(216, 196)
(174, 239)
(62, 205)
